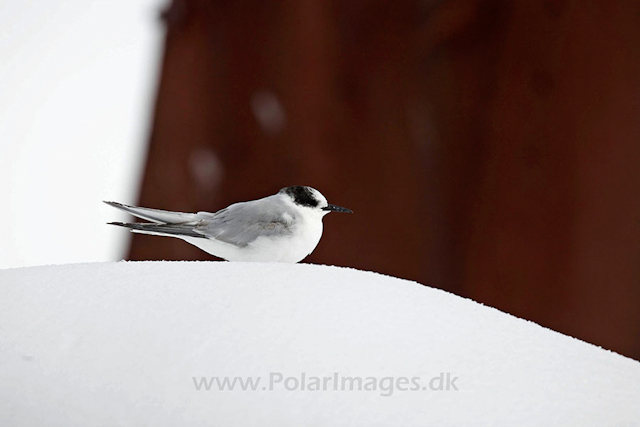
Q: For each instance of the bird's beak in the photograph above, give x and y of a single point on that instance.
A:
(334, 208)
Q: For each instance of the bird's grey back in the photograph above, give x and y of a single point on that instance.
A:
(242, 223)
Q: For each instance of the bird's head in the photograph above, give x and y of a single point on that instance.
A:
(311, 198)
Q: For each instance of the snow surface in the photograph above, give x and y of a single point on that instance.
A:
(119, 344)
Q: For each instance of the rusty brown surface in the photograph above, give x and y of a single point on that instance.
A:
(489, 148)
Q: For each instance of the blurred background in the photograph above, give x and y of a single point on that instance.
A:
(489, 148)
(77, 85)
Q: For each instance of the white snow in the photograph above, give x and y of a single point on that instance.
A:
(119, 344)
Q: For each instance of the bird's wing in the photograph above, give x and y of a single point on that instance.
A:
(242, 223)
(156, 215)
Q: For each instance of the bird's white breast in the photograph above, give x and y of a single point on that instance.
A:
(294, 247)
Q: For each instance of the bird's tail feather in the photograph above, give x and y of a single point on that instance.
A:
(172, 230)
(156, 215)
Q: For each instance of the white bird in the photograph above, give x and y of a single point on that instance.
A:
(285, 227)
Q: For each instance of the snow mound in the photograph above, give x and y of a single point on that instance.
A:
(161, 343)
